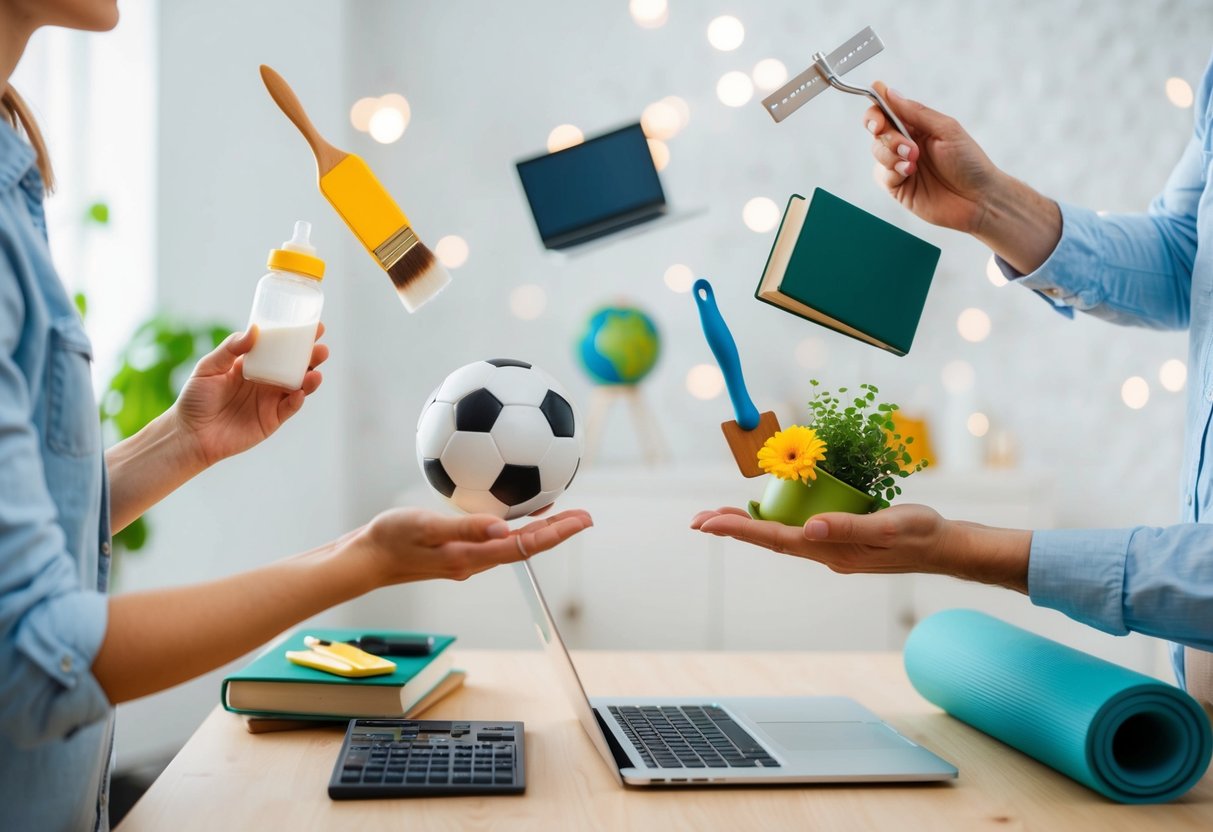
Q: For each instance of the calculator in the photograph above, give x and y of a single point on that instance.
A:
(428, 758)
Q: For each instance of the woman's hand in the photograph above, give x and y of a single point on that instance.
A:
(220, 414)
(938, 172)
(407, 544)
(906, 538)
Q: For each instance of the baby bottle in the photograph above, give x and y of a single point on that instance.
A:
(286, 310)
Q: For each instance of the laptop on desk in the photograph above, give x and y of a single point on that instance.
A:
(732, 740)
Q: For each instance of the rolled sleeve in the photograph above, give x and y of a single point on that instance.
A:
(1082, 574)
(55, 647)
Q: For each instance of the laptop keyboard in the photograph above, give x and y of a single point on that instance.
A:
(690, 736)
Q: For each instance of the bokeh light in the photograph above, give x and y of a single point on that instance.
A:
(387, 124)
(564, 135)
(1179, 92)
(1135, 392)
(994, 273)
(679, 278)
(660, 151)
(726, 33)
(361, 112)
(704, 381)
(769, 73)
(973, 324)
(649, 14)
(661, 120)
(528, 301)
(681, 107)
(760, 214)
(451, 251)
(978, 424)
(957, 376)
(734, 89)
(1173, 375)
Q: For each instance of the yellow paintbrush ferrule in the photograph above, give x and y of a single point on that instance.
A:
(366, 206)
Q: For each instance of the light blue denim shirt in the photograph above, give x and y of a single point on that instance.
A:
(1153, 270)
(55, 720)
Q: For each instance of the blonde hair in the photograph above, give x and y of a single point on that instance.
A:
(17, 113)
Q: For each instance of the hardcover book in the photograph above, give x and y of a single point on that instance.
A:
(272, 686)
(839, 266)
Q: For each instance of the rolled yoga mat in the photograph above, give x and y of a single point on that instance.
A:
(1127, 736)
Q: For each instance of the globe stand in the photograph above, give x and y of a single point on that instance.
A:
(644, 424)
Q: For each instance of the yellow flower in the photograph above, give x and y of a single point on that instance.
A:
(792, 454)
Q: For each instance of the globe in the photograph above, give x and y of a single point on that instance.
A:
(620, 345)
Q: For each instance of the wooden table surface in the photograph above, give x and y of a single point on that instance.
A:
(228, 779)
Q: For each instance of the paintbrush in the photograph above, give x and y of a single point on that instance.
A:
(751, 429)
(367, 208)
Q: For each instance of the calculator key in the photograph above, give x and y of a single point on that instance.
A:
(482, 778)
(394, 777)
(461, 778)
(351, 775)
(415, 777)
(506, 777)
(438, 777)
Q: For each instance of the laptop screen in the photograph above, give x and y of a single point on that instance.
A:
(591, 185)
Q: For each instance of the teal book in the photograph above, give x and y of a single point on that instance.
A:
(271, 685)
(841, 267)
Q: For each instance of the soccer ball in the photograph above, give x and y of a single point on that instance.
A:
(499, 437)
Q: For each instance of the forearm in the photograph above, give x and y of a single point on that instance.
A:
(148, 467)
(158, 639)
(1019, 224)
(986, 554)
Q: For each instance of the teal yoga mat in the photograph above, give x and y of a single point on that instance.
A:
(1127, 736)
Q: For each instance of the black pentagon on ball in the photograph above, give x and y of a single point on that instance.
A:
(509, 362)
(559, 414)
(477, 411)
(437, 477)
(516, 484)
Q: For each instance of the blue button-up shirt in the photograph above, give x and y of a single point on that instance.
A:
(55, 720)
(1153, 270)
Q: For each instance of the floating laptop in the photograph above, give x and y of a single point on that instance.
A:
(733, 740)
(601, 186)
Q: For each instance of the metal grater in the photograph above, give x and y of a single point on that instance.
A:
(824, 73)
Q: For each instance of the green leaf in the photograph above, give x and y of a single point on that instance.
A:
(133, 537)
(98, 212)
(81, 303)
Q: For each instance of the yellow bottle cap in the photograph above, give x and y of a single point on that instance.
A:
(297, 254)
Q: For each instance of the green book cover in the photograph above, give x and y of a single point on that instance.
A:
(838, 265)
(273, 685)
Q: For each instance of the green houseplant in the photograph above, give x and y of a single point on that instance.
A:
(153, 366)
(849, 459)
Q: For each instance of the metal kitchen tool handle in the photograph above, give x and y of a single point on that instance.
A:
(725, 349)
(825, 72)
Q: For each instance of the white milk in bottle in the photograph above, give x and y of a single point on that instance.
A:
(286, 310)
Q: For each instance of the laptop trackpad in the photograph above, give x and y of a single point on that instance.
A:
(833, 736)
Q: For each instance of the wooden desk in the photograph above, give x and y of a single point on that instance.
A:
(226, 778)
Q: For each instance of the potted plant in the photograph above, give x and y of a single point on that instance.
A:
(848, 458)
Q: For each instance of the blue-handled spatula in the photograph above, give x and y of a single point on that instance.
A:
(751, 428)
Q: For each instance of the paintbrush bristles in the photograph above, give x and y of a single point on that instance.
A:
(418, 277)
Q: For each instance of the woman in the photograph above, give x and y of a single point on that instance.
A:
(1154, 270)
(68, 653)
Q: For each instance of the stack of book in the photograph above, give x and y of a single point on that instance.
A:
(273, 694)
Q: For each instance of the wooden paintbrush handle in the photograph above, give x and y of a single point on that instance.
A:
(327, 156)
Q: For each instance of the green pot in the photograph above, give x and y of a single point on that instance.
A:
(793, 502)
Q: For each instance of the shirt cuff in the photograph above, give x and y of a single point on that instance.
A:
(1081, 572)
(62, 636)
(1065, 279)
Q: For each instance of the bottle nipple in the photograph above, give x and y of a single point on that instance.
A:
(301, 240)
